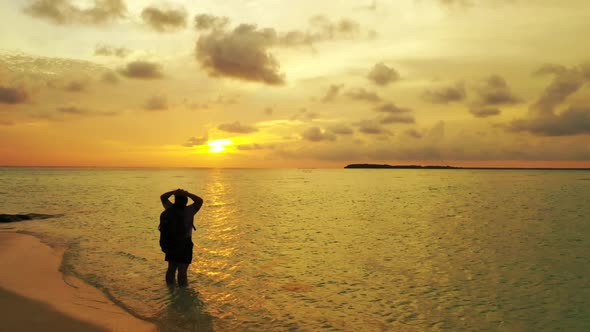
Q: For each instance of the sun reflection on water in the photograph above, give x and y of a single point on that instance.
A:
(217, 246)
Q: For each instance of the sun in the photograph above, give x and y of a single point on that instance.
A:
(218, 145)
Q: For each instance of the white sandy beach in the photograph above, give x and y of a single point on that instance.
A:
(35, 296)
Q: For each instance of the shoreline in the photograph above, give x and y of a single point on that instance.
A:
(35, 295)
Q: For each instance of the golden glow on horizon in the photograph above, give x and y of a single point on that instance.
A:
(218, 146)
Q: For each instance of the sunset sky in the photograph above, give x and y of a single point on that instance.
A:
(274, 83)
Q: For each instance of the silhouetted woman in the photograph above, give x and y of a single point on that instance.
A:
(179, 252)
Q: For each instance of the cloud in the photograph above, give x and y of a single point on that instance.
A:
(207, 22)
(165, 19)
(332, 93)
(449, 3)
(565, 83)
(254, 146)
(10, 95)
(371, 127)
(40, 69)
(218, 100)
(319, 29)
(484, 112)
(305, 115)
(109, 77)
(66, 12)
(309, 115)
(392, 113)
(397, 118)
(363, 95)
(156, 103)
(315, 134)
(572, 121)
(242, 53)
(431, 144)
(544, 119)
(491, 92)
(392, 108)
(196, 141)
(371, 7)
(549, 68)
(142, 70)
(76, 86)
(74, 110)
(495, 91)
(71, 110)
(434, 145)
(413, 133)
(7, 123)
(340, 129)
(446, 94)
(105, 50)
(195, 106)
(322, 29)
(237, 127)
(383, 75)
(225, 100)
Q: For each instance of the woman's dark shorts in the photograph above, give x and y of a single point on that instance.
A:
(182, 253)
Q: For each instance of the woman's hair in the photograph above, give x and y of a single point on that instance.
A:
(180, 200)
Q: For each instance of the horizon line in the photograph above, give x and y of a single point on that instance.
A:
(421, 167)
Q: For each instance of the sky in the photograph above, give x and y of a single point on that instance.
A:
(273, 83)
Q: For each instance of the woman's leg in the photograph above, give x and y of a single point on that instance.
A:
(182, 277)
(172, 266)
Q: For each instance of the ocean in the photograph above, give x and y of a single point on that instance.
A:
(326, 249)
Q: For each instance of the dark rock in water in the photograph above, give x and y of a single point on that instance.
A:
(4, 218)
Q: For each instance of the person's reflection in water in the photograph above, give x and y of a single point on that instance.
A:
(185, 312)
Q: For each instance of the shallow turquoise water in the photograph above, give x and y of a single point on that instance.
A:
(334, 250)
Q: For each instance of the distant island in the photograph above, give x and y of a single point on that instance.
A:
(399, 166)
(385, 166)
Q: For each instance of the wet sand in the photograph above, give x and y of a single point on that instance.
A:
(35, 296)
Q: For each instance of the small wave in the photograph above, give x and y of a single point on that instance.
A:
(68, 268)
(130, 256)
(5, 218)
